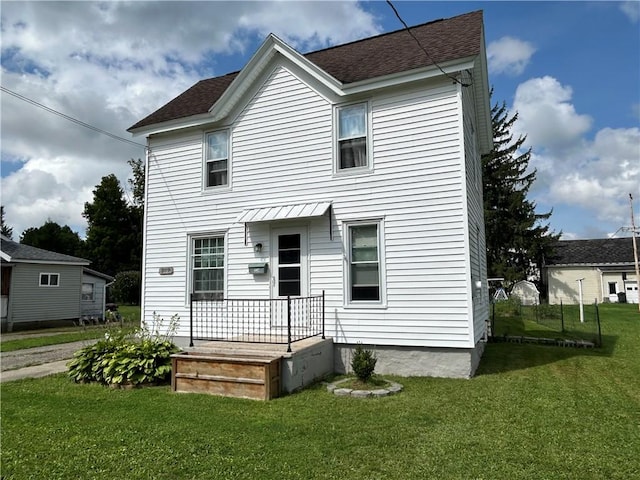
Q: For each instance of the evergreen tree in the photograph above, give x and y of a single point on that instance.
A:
(5, 229)
(518, 238)
(112, 244)
(53, 237)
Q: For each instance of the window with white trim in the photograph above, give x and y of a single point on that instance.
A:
(49, 279)
(364, 275)
(352, 136)
(87, 292)
(216, 156)
(207, 265)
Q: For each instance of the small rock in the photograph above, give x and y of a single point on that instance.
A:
(342, 391)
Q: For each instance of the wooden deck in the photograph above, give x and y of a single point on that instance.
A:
(238, 369)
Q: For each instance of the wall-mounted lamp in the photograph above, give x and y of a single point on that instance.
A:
(257, 247)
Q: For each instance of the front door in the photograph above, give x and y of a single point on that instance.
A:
(289, 262)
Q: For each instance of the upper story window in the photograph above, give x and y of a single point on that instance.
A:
(49, 279)
(352, 137)
(217, 159)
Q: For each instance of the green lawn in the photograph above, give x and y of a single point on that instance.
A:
(130, 316)
(533, 411)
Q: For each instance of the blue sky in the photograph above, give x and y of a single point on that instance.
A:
(570, 69)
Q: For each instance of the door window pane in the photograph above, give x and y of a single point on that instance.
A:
(289, 281)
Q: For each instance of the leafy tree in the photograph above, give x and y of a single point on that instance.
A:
(51, 236)
(127, 287)
(137, 182)
(137, 186)
(518, 238)
(111, 242)
(5, 229)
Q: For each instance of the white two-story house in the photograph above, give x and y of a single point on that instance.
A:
(350, 174)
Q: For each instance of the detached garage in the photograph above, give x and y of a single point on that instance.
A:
(605, 266)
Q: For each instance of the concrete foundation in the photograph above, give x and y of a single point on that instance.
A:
(306, 366)
(415, 361)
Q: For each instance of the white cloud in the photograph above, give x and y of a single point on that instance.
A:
(546, 115)
(595, 173)
(509, 55)
(111, 63)
(632, 10)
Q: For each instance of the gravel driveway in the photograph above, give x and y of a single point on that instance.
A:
(40, 355)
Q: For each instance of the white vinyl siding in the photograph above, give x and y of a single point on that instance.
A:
(283, 144)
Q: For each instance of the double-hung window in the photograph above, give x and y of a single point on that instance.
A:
(207, 263)
(49, 279)
(217, 159)
(87, 292)
(352, 137)
(365, 263)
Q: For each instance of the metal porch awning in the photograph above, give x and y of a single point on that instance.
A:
(285, 212)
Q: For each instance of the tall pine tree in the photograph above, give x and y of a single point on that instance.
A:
(518, 238)
(112, 242)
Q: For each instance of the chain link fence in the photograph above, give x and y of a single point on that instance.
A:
(556, 324)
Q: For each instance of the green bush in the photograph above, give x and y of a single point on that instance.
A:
(126, 287)
(363, 363)
(127, 359)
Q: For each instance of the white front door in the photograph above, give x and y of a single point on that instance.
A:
(289, 262)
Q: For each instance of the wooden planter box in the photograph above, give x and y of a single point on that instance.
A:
(239, 376)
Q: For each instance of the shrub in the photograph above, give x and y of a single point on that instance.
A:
(363, 363)
(133, 359)
(126, 287)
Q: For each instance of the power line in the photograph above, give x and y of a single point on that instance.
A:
(71, 119)
(406, 27)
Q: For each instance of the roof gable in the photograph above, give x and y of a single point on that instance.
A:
(380, 56)
(592, 252)
(20, 253)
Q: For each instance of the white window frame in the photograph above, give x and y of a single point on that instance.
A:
(206, 160)
(93, 292)
(190, 261)
(48, 276)
(337, 139)
(348, 301)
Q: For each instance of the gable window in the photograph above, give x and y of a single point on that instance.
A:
(217, 159)
(49, 279)
(207, 263)
(87, 292)
(352, 136)
(365, 269)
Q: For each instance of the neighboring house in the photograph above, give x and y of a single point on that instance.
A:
(39, 285)
(605, 265)
(94, 294)
(353, 170)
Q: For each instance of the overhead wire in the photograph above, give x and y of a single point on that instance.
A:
(70, 118)
(408, 29)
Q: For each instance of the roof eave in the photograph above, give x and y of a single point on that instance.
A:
(170, 125)
(49, 262)
(399, 78)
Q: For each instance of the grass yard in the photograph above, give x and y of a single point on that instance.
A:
(533, 411)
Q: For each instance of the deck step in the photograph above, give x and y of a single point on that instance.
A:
(231, 375)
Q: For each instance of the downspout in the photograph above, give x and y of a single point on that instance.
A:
(602, 285)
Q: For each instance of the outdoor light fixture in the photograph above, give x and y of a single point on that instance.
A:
(257, 247)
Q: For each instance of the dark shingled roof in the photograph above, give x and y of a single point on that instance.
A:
(394, 52)
(593, 252)
(26, 253)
